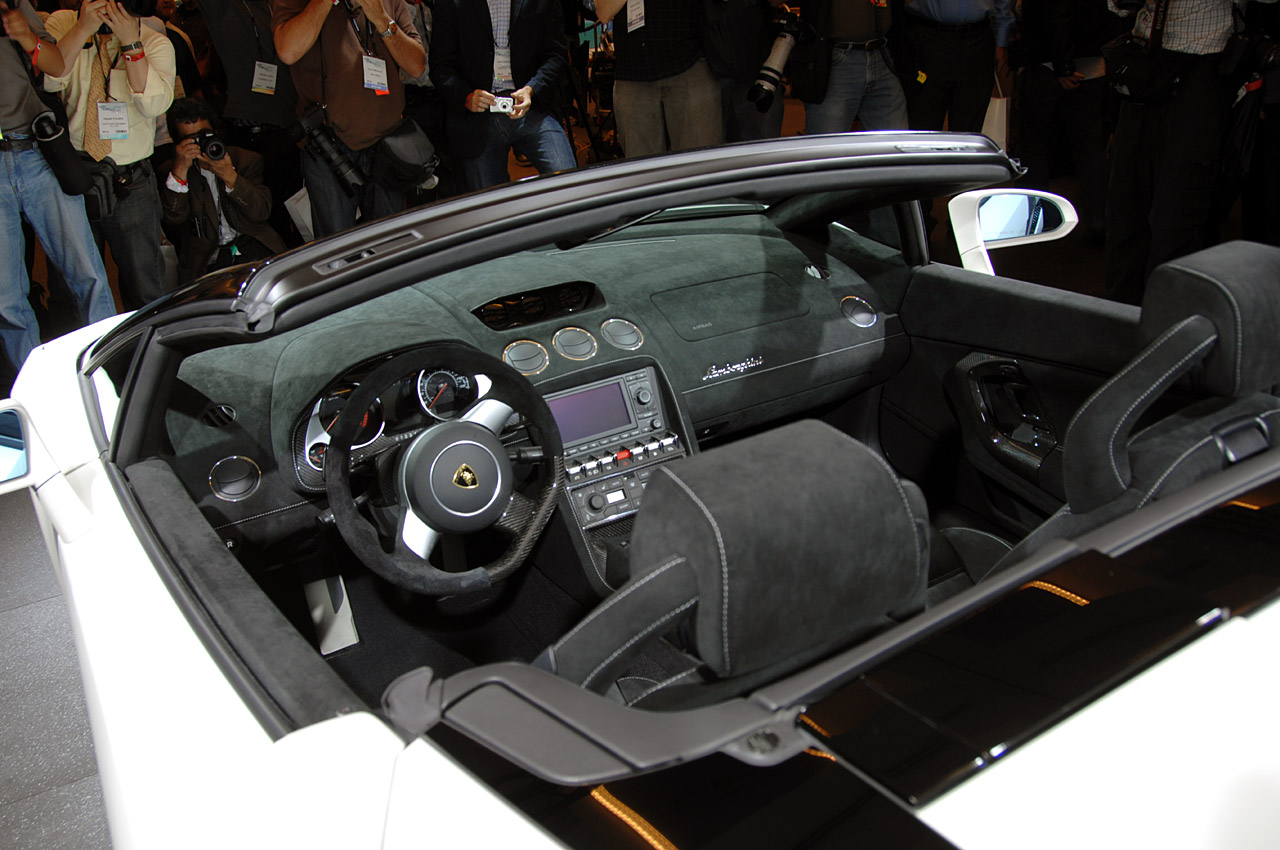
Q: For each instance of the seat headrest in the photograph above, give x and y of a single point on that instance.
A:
(1237, 287)
(800, 539)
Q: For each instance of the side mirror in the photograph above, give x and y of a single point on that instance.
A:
(13, 448)
(1001, 218)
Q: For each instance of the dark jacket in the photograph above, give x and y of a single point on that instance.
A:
(462, 61)
(195, 216)
(1060, 31)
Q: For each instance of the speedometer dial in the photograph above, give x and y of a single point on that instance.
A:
(445, 394)
(329, 408)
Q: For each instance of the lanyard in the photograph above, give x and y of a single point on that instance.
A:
(106, 72)
(356, 29)
(263, 53)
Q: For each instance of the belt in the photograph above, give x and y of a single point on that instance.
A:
(873, 44)
(12, 144)
(253, 128)
(939, 25)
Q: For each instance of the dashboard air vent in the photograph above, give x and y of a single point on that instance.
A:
(526, 356)
(622, 334)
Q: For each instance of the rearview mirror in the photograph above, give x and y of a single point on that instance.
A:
(13, 449)
(1001, 218)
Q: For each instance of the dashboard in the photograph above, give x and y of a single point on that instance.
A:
(644, 347)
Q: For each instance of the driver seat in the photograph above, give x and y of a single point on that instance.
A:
(756, 558)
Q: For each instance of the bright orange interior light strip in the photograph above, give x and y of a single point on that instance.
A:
(1057, 591)
(1249, 505)
(627, 815)
(810, 722)
(814, 751)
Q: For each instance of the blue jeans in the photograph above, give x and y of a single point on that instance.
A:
(31, 191)
(332, 209)
(133, 232)
(537, 136)
(862, 86)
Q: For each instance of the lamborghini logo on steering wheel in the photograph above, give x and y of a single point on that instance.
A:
(465, 478)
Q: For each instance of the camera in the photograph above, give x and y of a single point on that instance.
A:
(1249, 52)
(312, 130)
(765, 88)
(210, 145)
(503, 104)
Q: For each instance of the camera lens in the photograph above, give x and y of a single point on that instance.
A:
(45, 127)
(212, 147)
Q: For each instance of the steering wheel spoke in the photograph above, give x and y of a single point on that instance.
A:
(416, 536)
(489, 413)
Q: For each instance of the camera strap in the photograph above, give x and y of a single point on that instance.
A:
(1159, 18)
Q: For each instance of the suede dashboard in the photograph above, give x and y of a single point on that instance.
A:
(745, 321)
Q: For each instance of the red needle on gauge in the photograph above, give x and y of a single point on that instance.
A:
(439, 392)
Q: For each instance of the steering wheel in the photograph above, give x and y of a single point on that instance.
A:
(454, 477)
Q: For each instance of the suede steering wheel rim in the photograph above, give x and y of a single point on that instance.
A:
(454, 477)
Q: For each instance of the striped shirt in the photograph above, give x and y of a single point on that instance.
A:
(1193, 26)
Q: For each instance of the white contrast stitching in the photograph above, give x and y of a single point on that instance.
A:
(1235, 308)
(638, 679)
(641, 636)
(1115, 432)
(1000, 540)
(660, 685)
(1169, 470)
(616, 597)
(724, 565)
(265, 513)
(1118, 375)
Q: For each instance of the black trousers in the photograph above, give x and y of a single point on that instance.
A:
(1164, 176)
(959, 71)
(1048, 113)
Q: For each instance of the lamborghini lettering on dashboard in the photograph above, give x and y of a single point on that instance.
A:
(714, 371)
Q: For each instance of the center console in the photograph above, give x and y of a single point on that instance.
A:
(615, 432)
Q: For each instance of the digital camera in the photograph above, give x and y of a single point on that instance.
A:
(503, 104)
(210, 145)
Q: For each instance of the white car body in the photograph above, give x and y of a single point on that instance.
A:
(183, 763)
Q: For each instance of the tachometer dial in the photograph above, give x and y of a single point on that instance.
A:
(329, 408)
(445, 394)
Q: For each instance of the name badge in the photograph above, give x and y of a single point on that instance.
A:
(502, 69)
(635, 15)
(375, 74)
(264, 77)
(113, 121)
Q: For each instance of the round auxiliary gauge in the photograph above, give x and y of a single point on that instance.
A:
(315, 455)
(330, 407)
(445, 394)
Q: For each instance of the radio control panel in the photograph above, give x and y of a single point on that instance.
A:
(615, 434)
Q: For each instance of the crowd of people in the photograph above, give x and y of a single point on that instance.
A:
(203, 119)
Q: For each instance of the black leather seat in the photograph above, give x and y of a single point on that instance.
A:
(764, 556)
(1213, 317)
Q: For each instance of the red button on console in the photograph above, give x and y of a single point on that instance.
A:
(623, 455)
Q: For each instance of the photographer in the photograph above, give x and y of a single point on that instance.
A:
(220, 207)
(477, 58)
(347, 56)
(261, 101)
(30, 191)
(114, 90)
(1166, 151)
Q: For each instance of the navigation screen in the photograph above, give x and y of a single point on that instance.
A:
(599, 410)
